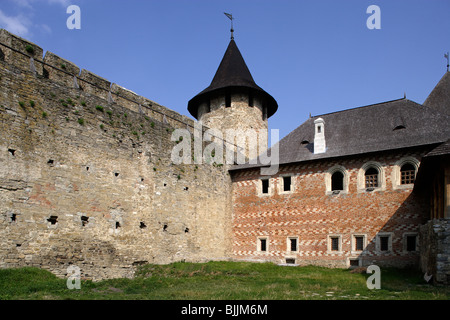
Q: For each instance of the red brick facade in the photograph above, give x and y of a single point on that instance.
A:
(368, 227)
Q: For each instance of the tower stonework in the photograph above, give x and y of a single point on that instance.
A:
(233, 101)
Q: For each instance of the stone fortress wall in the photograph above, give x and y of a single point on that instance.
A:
(86, 176)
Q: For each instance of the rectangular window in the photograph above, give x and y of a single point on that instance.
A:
(359, 243)
(293, 244)
(265, 186)
(384, 243)
(287, 184)
(354, 262)
(411, 243)
(408, 177)
(262, 244)
(334, 243)
(372, 181)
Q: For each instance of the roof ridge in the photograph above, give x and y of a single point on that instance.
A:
(360, 107)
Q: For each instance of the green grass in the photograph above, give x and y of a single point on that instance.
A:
(224, 281)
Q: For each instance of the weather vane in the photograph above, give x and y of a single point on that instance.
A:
(232, 30)
(448, 64)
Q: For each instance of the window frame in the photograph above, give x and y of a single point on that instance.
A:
(329, 184)
(354, 249)
(390, 236)
(330, 238)
(361, 181)
(259, 242)
(405, 242)
(397, 173)
(289, 244)
(281, 183)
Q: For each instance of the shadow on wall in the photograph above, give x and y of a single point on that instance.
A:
(397, 243)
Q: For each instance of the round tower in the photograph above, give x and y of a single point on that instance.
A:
(234, 101)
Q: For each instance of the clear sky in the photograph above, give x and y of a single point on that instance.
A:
(312, 56)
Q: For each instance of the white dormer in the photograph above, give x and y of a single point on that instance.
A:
(319, 136)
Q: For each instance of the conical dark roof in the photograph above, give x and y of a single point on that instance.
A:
(439, 98)
(232, 73)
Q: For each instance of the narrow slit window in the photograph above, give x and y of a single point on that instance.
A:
(265, 186)
(293, 244)
(227, 100)
(263, 245)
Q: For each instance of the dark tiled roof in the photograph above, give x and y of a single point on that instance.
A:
(442, 149)
(380, 127)
(439, 98)
(232, 73)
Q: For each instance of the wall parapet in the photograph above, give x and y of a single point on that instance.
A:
(27, 56)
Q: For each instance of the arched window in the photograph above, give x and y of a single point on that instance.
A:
(408, 173)
(337, 181)
(371, 178)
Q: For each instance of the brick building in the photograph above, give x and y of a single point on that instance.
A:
(345, 193)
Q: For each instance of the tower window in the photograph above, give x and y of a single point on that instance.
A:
(250, 99)
(371, 178)
(227, 100)
(337, 181)
(408, 173)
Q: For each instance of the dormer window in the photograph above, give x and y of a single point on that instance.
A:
(399, 127)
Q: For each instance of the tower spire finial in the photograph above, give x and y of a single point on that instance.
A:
(231, 18)
(446, 55)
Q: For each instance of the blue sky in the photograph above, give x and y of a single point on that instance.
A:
(312, 56)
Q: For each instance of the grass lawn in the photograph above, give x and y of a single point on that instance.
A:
(224, 281)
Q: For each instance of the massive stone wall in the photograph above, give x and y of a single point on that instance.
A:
(435, 253)
(86, 177)
(312, 215)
